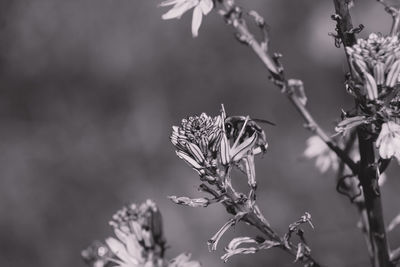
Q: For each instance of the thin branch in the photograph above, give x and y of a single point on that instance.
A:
(395, 13)
(233, 15)
(254, 217)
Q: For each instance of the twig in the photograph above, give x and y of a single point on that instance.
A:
(368, 174)
(233, 15)
(253, 216)
(395, 13)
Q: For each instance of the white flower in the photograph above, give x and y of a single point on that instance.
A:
(325, 158)
(197, 141)
(375, 62)
(201, 7)
(140, 241)
(183, 260)
(388, 141)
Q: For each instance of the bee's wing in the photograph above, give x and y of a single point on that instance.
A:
(264, 121)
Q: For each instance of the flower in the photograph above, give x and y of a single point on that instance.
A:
(140, 241)
(375, 63)
(201, 7)
(97, 254)
(183, 260)
(325, 158)
(388, 141)
(197, 141)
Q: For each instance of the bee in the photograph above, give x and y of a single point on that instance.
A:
(234, 125)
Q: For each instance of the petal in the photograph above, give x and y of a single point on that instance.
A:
(189, 160)
(170, 2)
(195, 151)
(370, 86)
(206, 6)
(196, 21)
(118, 249)
(244, 148)
(178, 10)
(224, 152)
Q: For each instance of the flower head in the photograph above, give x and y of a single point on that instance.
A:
(325, 158)
(140, 241)
(375, 62)
(388, 141)
(97, 254)
(201, 7)
(197, 141)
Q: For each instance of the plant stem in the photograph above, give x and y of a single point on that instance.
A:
(368, 177)
(254, 217)
(368, 174)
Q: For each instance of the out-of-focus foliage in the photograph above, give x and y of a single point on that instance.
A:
(89, 89)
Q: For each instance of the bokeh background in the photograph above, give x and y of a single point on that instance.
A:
(89, 90)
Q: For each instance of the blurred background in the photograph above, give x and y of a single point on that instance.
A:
(89, 90)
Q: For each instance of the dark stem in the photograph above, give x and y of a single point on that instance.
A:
(368, 174)
(344, 23)
(368, 177)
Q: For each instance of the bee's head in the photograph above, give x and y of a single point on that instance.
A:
(229, 129)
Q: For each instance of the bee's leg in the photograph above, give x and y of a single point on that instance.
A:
(242, 131)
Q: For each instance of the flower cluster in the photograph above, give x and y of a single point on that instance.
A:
(197, 141)
(139, 241)
(375, 64)
(211, 144)
(375, 68)
(201, 7)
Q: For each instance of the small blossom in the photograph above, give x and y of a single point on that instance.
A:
(140, 241)
(183, 260)
(375, 62)
(388, 141)
(197, 141)
(97, 254)
(325, 158)
(201, 7)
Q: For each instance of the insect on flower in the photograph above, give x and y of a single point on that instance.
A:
(234, 125)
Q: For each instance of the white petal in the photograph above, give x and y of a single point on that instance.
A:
(206, 6)
(118, 249)
(196, 21)
(178, 10)
(170, 2)
(189, 160)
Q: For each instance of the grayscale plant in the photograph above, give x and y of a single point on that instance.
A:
(364, 142)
